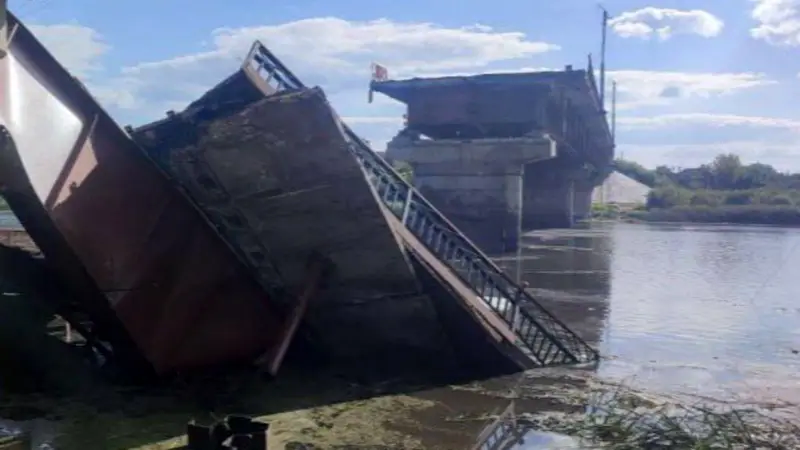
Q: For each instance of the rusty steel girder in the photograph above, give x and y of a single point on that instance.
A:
(163, 292)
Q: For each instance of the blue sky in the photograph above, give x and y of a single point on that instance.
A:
(695, 78)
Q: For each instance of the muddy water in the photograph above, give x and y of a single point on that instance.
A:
(703, 310)
(681, 313)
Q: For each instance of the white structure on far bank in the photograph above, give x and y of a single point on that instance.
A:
(621, 190)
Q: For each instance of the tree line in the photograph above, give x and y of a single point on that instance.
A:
(724, 181)
(724, 190)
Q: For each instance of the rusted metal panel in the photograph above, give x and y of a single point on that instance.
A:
(116, 229)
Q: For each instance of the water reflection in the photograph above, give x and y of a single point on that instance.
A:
(569, 272)
(510, 432)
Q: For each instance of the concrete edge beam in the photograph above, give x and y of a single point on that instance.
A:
(510, 151)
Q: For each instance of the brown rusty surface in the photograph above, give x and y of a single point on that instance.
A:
(179, 291)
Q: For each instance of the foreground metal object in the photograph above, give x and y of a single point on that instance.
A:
(500, 433)
(242, 432)
(138, 265)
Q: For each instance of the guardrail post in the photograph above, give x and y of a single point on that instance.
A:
(407, 205)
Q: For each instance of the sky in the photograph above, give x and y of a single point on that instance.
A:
(695, 78)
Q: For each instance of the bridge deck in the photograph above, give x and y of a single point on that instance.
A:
(278, 181)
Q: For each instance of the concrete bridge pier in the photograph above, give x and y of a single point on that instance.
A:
(486, 206)
(478, 184)
(556, 194)
(582, 199)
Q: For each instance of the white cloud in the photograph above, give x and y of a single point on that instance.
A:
(691, 139)
(664, 23)
(638, 88)
(338, 52)
(778, 21)
(77, 47)
(330, 52)
(715, 120)
(81, 49)
(782, 155)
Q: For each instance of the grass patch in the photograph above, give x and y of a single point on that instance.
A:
(736, 214)
(622, 420)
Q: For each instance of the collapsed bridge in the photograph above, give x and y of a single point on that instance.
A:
(252, 219)
(503, 153)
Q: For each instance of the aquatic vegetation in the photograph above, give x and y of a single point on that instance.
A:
(622, 420)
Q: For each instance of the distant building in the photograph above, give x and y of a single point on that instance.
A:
(621, 190)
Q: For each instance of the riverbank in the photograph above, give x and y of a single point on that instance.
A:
(326, 412)
(729, 214)
(740, 215)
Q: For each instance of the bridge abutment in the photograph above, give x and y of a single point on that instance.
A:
(556, 195)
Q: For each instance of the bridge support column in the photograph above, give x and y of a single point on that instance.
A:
(487, 207)
(554, 195)
(583, 200)
(477, 184)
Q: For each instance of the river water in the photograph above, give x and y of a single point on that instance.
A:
(708, 311)
(711, 310)
(685, 313)
(7, 220)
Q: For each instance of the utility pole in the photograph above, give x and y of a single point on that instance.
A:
(603, 59)
(614, 113)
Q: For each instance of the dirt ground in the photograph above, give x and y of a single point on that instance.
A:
(321, 411)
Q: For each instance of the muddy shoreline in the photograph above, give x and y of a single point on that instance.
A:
(328, 411)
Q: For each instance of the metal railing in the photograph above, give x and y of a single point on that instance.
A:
(547, 340)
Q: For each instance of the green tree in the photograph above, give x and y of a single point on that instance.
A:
(635, 171)
(404, 170)
(668, 197)
(726, 171)
(757, 176)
